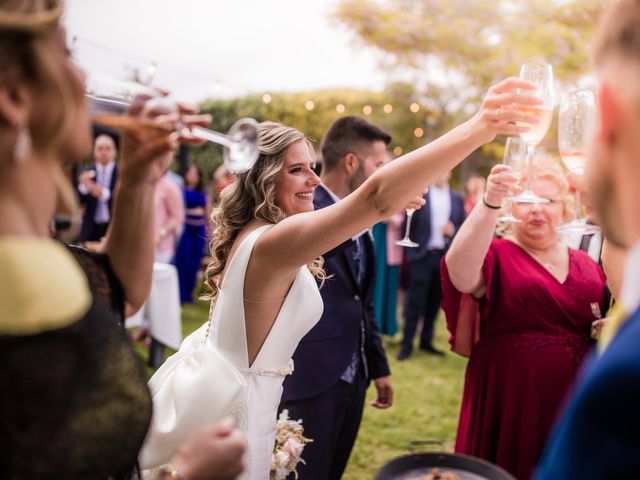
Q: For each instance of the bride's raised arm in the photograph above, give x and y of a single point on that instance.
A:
(300, 238)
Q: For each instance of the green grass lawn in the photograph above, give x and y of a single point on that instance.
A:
(428, 390)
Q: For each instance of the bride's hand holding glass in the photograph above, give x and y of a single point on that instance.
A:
(499, 110)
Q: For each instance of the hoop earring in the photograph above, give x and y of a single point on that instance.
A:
(22, 148)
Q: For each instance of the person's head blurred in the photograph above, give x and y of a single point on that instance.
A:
(193, 178)
(443, 180)
(280, 184)
(540, 220)
(353, 149)
(104, 149)
(613, 172)
(41, 88)
(475, 186)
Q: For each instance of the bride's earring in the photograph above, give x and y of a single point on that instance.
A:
(22, 148)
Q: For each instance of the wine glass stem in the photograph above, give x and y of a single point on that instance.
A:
(576, 211)
(211, 136)
(408, 227)
(529, 165)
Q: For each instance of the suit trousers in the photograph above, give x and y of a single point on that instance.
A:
(424, 297)
(331, 419)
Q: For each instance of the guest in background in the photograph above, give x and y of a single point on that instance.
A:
(387, 278)
(473, 192)
(521, 308)
(169, 218)
(432, 227)
(194, 235)
(96, 187)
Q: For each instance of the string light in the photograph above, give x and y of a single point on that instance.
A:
(415, 108)
(266, 98)
(340, 108)
(397, 151)
(367, 110)
(418, 132)
(388, 108)
(309, 105)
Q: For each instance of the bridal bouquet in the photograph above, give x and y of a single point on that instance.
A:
(288, 448)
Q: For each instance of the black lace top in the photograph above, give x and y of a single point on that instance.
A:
(73, 401)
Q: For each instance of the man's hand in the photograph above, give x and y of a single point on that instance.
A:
(449, 230)
(385, 393)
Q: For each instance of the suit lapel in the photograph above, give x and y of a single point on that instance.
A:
(322, 199)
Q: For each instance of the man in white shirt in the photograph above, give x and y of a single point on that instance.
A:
(96, 188)
(432, 227)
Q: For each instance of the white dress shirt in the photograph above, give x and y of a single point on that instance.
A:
(630, 291)
(440, 208)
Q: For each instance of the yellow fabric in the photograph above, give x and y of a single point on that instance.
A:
(617, 316)
(42, 287)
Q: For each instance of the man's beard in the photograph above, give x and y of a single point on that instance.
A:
(603, 191)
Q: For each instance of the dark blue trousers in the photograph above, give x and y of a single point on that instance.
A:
(331, 419)
(424, 298)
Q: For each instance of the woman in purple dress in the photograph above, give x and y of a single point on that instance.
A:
(521, 308)
(194, 236)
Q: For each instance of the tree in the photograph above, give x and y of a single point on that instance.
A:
(455, 49)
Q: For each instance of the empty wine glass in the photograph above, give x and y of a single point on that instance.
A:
(514, 157)
(575, 114)
(540, 74)
(109, 99)
(406, 241)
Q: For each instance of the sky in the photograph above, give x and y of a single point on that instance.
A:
(221, 48)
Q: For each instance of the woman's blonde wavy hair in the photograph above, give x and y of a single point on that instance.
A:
(26, 32)
(252, 195)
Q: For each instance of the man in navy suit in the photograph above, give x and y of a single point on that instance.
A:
(432, 227)
(96, 188)
(336, 360)
(598, 437)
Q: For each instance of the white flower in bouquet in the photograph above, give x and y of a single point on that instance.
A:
(288, 448)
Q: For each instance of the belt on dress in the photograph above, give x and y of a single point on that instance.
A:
(269, 372)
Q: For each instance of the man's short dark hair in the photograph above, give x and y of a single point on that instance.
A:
(349, 135)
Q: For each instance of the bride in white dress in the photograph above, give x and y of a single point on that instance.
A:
(268, 242)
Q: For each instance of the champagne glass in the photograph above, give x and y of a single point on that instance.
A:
(576, 112)
(514, 157)
(109, 99)
(406, 241)
(540, 74)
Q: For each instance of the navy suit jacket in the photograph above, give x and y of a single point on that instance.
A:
(598, 436)
(326, 351)
(420, 230)
(90, 204)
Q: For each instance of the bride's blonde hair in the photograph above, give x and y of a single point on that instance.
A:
(252, 195)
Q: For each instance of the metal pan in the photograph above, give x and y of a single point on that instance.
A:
(416, 465)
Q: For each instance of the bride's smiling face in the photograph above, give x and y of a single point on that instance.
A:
(296, 182)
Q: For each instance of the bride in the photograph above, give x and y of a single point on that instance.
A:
(268, 241)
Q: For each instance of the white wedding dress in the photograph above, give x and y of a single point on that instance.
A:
(300, 311)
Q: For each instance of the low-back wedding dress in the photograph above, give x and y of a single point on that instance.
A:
(300, 311)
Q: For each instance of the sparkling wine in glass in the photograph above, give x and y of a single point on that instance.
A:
(515, 158)
(541, 75)
(406, 241)
(575, 115)
(109, 99)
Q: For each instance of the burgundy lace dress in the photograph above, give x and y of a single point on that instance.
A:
(527, 338)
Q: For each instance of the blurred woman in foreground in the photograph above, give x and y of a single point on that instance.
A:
(75, 402)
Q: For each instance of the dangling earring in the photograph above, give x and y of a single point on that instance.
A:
(22, 148)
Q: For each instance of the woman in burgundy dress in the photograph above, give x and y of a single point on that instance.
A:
(521, 308)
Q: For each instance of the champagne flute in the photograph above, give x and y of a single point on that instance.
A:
(109, 99)
(576, 112)
(540, 74)
(406, 241)
(514, 157)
